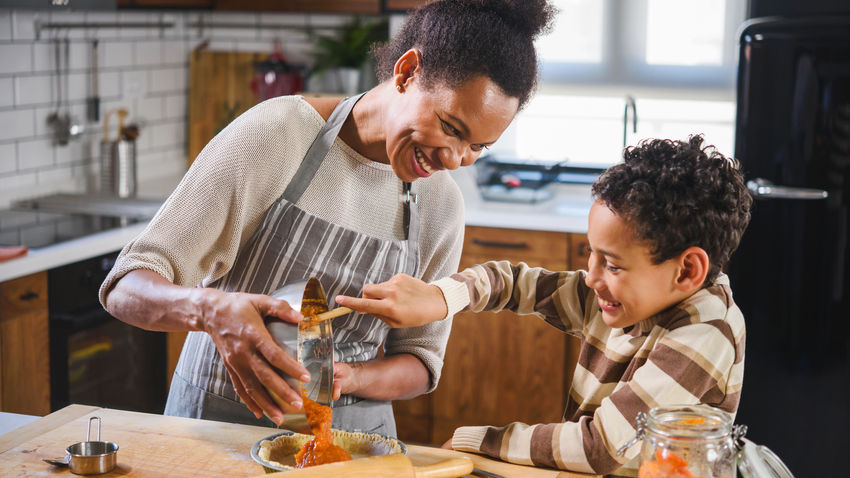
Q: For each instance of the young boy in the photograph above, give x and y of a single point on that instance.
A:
(654, 311)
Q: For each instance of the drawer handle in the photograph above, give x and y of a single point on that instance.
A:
(505, 245)
(29, 295)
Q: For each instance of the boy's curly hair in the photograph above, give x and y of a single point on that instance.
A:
(678, 194)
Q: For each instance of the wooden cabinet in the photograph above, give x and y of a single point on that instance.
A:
(199, 4)
(372, 7)
(499, 367)
(24, 346)
(403, 5)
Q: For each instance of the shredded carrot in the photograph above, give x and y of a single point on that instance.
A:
(667, 464)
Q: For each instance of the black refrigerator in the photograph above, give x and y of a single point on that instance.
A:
(791, 273)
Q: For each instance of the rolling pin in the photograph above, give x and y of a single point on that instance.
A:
(396, 465)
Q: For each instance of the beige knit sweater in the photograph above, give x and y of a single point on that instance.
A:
(195, 236)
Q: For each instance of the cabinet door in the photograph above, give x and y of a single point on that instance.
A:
(24, 346)
(502, 367)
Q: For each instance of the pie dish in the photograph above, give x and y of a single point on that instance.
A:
(277, 452)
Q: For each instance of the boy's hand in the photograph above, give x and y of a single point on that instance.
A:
(402, 301)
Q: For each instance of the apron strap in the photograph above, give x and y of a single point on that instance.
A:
(411, 213)
(319, 149)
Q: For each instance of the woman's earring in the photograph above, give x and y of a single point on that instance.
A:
(399, 88)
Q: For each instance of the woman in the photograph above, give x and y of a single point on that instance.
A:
(264, 204)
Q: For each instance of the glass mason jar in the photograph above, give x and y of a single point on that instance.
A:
(694, 441)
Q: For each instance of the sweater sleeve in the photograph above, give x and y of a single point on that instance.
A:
(197, 232)
(556, 297)
(688, 364)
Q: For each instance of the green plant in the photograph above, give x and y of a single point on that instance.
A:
(350, 46)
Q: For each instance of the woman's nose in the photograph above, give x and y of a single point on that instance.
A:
(452, 157)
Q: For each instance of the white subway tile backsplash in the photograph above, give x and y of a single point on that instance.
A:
(6, 92)
(152, 108)
(35, 154)
(100, 18)
(117, 54)
(109, 84)
(19, 185)
(17, 58)
(44, 57)
(174, 52)
(135, 83)
(148, 53)
(144, 70)
(5, 25)
(167, 80)
(16, 124)
(78, 151)
(8, 158)
(23, 24)
(69, 17)
(175, 106)
(59, 175)
(79, 86)
(37, 90)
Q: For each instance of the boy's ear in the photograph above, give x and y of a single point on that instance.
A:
(693, 268)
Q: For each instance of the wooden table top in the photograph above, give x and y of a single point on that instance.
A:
(159, 446)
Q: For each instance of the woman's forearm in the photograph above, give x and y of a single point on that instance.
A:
(395, 377)
(149, 301)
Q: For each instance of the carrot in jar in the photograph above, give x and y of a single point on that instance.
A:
(667, 464)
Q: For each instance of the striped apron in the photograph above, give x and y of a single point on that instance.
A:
(291, 245)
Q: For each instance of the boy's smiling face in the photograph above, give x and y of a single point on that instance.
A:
(629, 287)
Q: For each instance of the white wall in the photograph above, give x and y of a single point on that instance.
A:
(142, 69)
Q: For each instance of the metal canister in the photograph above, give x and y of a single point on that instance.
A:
(117, 160)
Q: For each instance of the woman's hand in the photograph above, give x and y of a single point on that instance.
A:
(402, 301)
(346, 379)
(235, 322)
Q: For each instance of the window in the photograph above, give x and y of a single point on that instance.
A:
(654, 43)
(658, 51)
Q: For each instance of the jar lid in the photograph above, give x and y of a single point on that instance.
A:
(758, 461)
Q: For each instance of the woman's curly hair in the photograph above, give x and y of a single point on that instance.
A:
(461, 39)
(678, 194)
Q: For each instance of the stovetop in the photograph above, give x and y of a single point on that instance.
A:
(36, 229)
(512, 179)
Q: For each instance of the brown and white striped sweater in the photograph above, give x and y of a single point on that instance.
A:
(690, 353)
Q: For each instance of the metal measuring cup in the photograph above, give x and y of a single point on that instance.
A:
(312, 346)
(89, 457)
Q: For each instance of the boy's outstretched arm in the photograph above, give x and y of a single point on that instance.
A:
(402, 301)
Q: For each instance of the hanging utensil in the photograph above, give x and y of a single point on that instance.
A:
(57, 121)
(75, 128)
(93, 103)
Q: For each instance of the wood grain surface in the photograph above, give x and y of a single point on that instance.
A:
(219, 91)
(24, 345)
(160, 446)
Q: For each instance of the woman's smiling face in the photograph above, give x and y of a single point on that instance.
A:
(437, 128)
(629, 287)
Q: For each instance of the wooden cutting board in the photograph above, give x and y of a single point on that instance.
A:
(219, 91)
(160, 446)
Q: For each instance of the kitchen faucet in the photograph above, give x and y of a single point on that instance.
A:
(630, 104)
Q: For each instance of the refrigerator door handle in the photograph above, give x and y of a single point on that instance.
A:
(763, 189)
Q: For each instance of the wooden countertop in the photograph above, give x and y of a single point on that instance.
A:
(159, 446)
